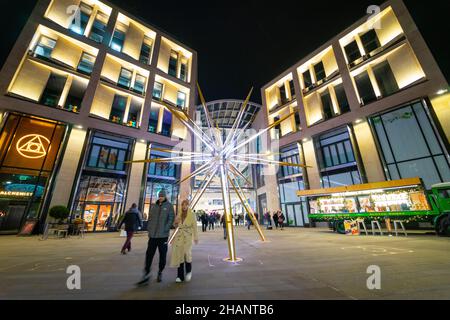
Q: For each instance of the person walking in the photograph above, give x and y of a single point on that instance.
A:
(181, 256)
(249, 221)
(133, 222)
(275, 219)
(211, 220)
(281, 219)
(224, 225)
(160, 221)
(204, 219)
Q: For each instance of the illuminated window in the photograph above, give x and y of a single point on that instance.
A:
(173, 63)
(292, 88)
(370, 41)
(327, 105)
(154, 117)
(125, 78)
(139, 84)
(53, 91)
(385, 79)
(44, 47)
(181, 99)
(99, 28)
(183, 72)
(158, 91)
(365, 89)
(118, 40)
(283, 97)
(86, 63)
(108, 153)
(146, 51)
(75, 95)
(167, 124)
(118, 109)
(79, 23)
(307, 79)
(341, 98)
(352, 52)
(320, 71)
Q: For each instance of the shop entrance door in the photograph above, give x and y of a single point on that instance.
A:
(98, 216)
(10, 221)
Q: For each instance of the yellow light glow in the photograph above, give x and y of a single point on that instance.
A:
(32, 146)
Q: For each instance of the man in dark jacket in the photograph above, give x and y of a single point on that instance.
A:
(160, 221)
(133, 222)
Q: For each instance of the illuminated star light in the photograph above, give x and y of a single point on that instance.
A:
(221, 158)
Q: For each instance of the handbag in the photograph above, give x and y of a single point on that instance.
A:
(123, 233)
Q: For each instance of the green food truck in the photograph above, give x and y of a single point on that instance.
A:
(405, 200)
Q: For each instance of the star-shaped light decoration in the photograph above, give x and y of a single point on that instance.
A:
(221, 158)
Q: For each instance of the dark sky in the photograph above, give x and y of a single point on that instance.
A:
(247, 43)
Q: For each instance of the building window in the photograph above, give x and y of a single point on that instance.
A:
(53, 91)
(341, 98)
(118, 40)
(125, 78)
(118, 109)
(75, 96)
(166, 129)
(173, 64)
(181, 99)
(108, 154)
(146, 51)
(365, 89)
(292, 88)
(320, 71)
(327, 105)
(183, 72)
(337, 160)
(140, 84)
(410, 146)
(290, 155)
(86, 64)
(99, 28)
(158, 91)
(154, 118)
(298, 124)
(370, 41)
(307, 80)
(385, 78)
(44, 48)
(80, 23)
(352, 52)
(283, 96)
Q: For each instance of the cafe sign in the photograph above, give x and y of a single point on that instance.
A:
(33, 146)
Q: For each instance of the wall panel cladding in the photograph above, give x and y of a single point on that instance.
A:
(31, 80)
(133, 41)
(102, 102)
(67, 52)
(58, 11)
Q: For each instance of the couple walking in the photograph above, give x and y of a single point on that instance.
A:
(160, 221)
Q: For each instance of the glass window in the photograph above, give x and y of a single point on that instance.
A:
(134, 113)
(166, 129)
(410, 146)
(183, 72)
(158, 91)
(370, 41)
(320, 71)
(79, 25)
(307, 79)
(53, 91)
(283, 96)
(118, 40)
(173, 63)
(365, 89)
(153, 122)
(44, 47)
(181, 99)
(108, 153)
(99, 28)
(125, 78)
(352, 52)
(146, 51)
(75, 95)
(385, 79)
(118, 109)
(327, 105)
(341, 98)
(86, 64)
(292, 88)
(140, 84)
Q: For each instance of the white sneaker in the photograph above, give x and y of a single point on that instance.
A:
(178, 280)
(188, 276)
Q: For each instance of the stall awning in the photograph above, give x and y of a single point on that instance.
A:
(361, 187)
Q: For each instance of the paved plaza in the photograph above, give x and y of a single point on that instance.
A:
(294, 264)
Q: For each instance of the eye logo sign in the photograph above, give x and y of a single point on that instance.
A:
(32, 146)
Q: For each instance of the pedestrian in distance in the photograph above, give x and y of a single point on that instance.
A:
(281, 219)
(133, 222)
(181, 256)
(275, 219)
(224, 225)
(160, 221)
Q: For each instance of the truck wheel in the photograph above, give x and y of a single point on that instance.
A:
(442, 226)
(339, 226)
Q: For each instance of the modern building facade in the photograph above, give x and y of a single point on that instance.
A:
(81, 95)
(371, 105)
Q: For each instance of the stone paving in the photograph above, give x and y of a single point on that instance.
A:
(294, 264)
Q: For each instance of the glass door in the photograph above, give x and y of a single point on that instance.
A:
(103, 220)
(90, 214)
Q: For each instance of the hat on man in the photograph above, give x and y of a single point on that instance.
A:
(162, 193)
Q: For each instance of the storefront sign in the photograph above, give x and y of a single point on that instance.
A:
(33, 146)
(15, 194)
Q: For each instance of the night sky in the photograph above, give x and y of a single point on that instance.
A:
(247, 43)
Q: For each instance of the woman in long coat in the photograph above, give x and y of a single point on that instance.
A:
(181, 256)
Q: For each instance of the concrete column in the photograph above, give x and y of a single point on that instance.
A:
(299, 96)
(65, 92)
(67, 173)
(311, 160)
(350, 90)
(136, 175)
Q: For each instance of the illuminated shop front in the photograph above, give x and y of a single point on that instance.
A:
(160, 176)
(29, 148)
(100, 195)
